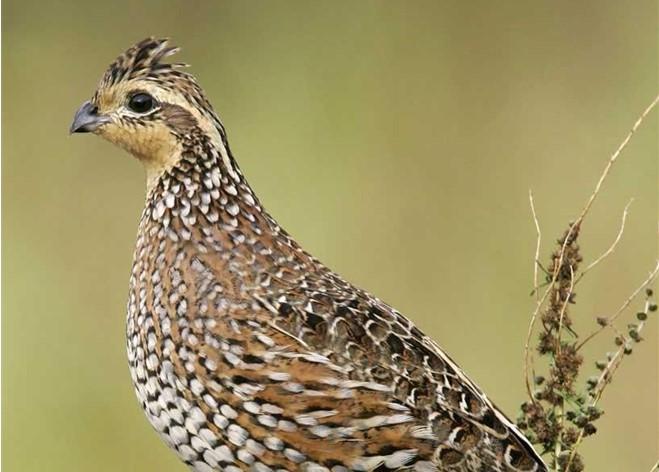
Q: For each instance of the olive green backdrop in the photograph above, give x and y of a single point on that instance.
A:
(396, 140)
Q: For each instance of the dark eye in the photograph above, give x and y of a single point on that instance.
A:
(141, 102)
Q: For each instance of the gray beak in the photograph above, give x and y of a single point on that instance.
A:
(87, 119)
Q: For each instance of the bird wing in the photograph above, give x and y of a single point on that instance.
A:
(376, 345)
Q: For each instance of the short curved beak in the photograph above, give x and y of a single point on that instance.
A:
(87, 119)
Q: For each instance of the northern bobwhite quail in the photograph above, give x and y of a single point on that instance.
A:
(245, 351)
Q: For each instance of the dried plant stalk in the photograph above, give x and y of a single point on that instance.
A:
(559, 414)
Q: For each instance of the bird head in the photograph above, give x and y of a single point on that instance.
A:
(149, 107)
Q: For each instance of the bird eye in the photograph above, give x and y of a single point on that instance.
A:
(141, 102)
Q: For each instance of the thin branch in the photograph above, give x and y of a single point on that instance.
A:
(655, 467)
(605, 379)
(527, 350)
(561, 409)
(537, 245)
(613, 245)
(606, 375)
(563, 308)
(528, 357)
(615, 156)
(622, 308)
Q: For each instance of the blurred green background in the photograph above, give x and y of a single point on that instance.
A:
(396, 140)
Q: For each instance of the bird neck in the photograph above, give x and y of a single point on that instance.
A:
(204, 202)
(202, 185)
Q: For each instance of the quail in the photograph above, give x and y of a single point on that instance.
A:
(245, 351)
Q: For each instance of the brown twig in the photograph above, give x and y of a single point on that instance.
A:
(609, 321)
(528, 364)
(615, 156)
(563, 308)
(605, 377)
(611, 248)
(537, 245)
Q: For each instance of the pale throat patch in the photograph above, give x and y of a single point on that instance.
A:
(154, 145)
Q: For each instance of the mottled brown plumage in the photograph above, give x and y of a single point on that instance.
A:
(245, 351)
